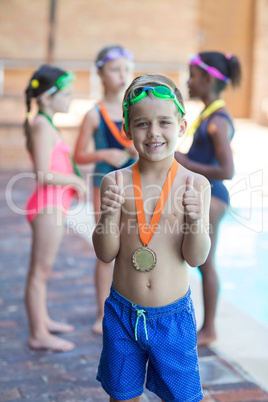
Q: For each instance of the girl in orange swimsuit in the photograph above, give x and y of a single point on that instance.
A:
(47, 206)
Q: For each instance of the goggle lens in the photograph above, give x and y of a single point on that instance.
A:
(136, 93)
(163, 90)
(160, 91)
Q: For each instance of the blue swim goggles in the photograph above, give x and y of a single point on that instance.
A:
(160, 91)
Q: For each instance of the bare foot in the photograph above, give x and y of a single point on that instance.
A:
(97, 327)
(51, 342)
(59, 327)
(205, 337)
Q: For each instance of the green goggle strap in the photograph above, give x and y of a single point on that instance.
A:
(126, 106)
(61, 83)
(64, 80)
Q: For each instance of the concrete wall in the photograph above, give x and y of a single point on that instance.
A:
(227, 26)
(160, 34)
(259, 99)
(23, 29)
(155, 30)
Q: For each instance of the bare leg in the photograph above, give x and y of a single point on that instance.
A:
(58, 327)
(47, 236)
(103, 279)
(210, 281)
(103, 275)
(137, 399)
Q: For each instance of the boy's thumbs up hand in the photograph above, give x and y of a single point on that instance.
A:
(192, 201)
(114, 196)
(190, 183)
(119, 179)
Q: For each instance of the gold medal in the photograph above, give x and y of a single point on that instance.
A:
(144, 259)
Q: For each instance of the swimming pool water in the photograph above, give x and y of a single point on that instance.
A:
(242, 263)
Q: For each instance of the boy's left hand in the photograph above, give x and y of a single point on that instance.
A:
(192, 201)
(114, 196)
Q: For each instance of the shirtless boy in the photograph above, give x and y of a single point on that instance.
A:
(154, 223)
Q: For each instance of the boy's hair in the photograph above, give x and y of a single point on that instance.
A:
(152, 80)
(42, 79)
(228, 65)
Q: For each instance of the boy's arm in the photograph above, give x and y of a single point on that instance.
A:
(106, 235)
(196, 202)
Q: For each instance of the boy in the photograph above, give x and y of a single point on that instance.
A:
(154, 220)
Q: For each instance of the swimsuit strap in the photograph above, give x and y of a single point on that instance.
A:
(75, 167)
(222, 114)
(208, 111)
(119, 136)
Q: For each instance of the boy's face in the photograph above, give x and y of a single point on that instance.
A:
(116, 75)
(154, 127)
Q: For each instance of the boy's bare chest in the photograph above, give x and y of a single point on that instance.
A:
(169, 212)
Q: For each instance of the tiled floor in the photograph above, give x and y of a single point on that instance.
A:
(68, 377)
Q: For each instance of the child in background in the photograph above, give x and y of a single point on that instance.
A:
(154, 220)
(47, 206)
(211, 156)
(112, 149)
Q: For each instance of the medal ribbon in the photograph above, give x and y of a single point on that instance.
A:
(146, 235)
(217, 104)
(119, 136)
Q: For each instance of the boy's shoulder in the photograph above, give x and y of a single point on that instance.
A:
(109, 178)
(200, 181)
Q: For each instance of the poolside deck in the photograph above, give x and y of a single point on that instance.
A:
(68, 377)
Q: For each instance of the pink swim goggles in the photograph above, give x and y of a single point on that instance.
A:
(114, 54)
(195, 60)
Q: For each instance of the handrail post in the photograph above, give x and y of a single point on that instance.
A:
(2, 77)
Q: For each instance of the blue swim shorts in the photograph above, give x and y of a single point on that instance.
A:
(164, 337)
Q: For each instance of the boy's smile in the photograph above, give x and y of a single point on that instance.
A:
(155, 127)
(155, 145)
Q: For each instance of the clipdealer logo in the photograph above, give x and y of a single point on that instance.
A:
(250, 189)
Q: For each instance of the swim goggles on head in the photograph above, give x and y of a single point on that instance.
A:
(114, 54)
(195, 60)
(160, 91)
(61, 83)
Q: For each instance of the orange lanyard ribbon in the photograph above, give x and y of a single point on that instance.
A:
(119, 136)
(146, 235)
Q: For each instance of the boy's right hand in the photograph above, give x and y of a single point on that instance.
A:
(114, 196)
(116, 157)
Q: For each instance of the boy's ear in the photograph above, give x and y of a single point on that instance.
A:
(128, 133)
(183, 127)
